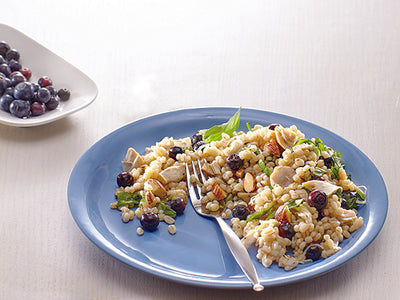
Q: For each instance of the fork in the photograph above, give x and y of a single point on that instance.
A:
(236, 247)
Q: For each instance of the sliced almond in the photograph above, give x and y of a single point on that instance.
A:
(219, 193)
(283, 214)
(157, 188)
(150, 199)
(273, 148)
(249, 183)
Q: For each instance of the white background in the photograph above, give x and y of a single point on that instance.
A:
(333, 63)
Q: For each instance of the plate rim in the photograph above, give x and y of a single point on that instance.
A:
(96, 237)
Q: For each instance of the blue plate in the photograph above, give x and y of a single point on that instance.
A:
(197, 254)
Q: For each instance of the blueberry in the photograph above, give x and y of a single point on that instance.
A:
(5, 102)
(17, 78)
(317, 199)
(45, 81)
(64, 94)
(52, 90)
(37, 109)
(149, 220)
(174, 151)
(14, 65)
(43, 95)
(35, 86)
(4, 47)
(2, 60)
(20, 108)
(329, 162)
(286, 230)
(196, 138)
(9, 91)
(52, 103)
(272, 126)
(234, 162)
(198, 145)
(26, 72)
(4, 84)
(24, 91)
(314, 252)
(178, 205)
(5, 69)
(240, 211)
(124, 179)
(12, 54)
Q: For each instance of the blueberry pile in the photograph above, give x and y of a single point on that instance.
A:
(19, 96)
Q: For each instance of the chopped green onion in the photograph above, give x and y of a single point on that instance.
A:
(260, 214)
(248, 126)
(264, 168)
(294, 203)
(318, 172)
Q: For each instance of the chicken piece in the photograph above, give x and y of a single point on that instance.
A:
(285, 137)
(173, 174)
(323, 186)
(212, 169)
(282, 175)
(132, 160)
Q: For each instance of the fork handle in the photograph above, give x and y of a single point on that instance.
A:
(240, 253)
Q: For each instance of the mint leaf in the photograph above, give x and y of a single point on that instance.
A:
(215, 132)
(127, 199)
(168, 211)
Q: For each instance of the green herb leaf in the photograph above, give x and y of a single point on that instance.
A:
(335, 172)
(319, 145)
(215, 132)
(318, 172)
(352, 202)
(167, 210)
(261, 214)
(303, 141)
(264, 168)
(337, 158)
(229, 197)
(127, 199)
(294, 203)
(361, 195)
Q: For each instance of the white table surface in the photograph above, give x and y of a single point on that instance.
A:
(333, 63)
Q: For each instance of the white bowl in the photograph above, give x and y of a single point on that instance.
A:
(64, 75)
